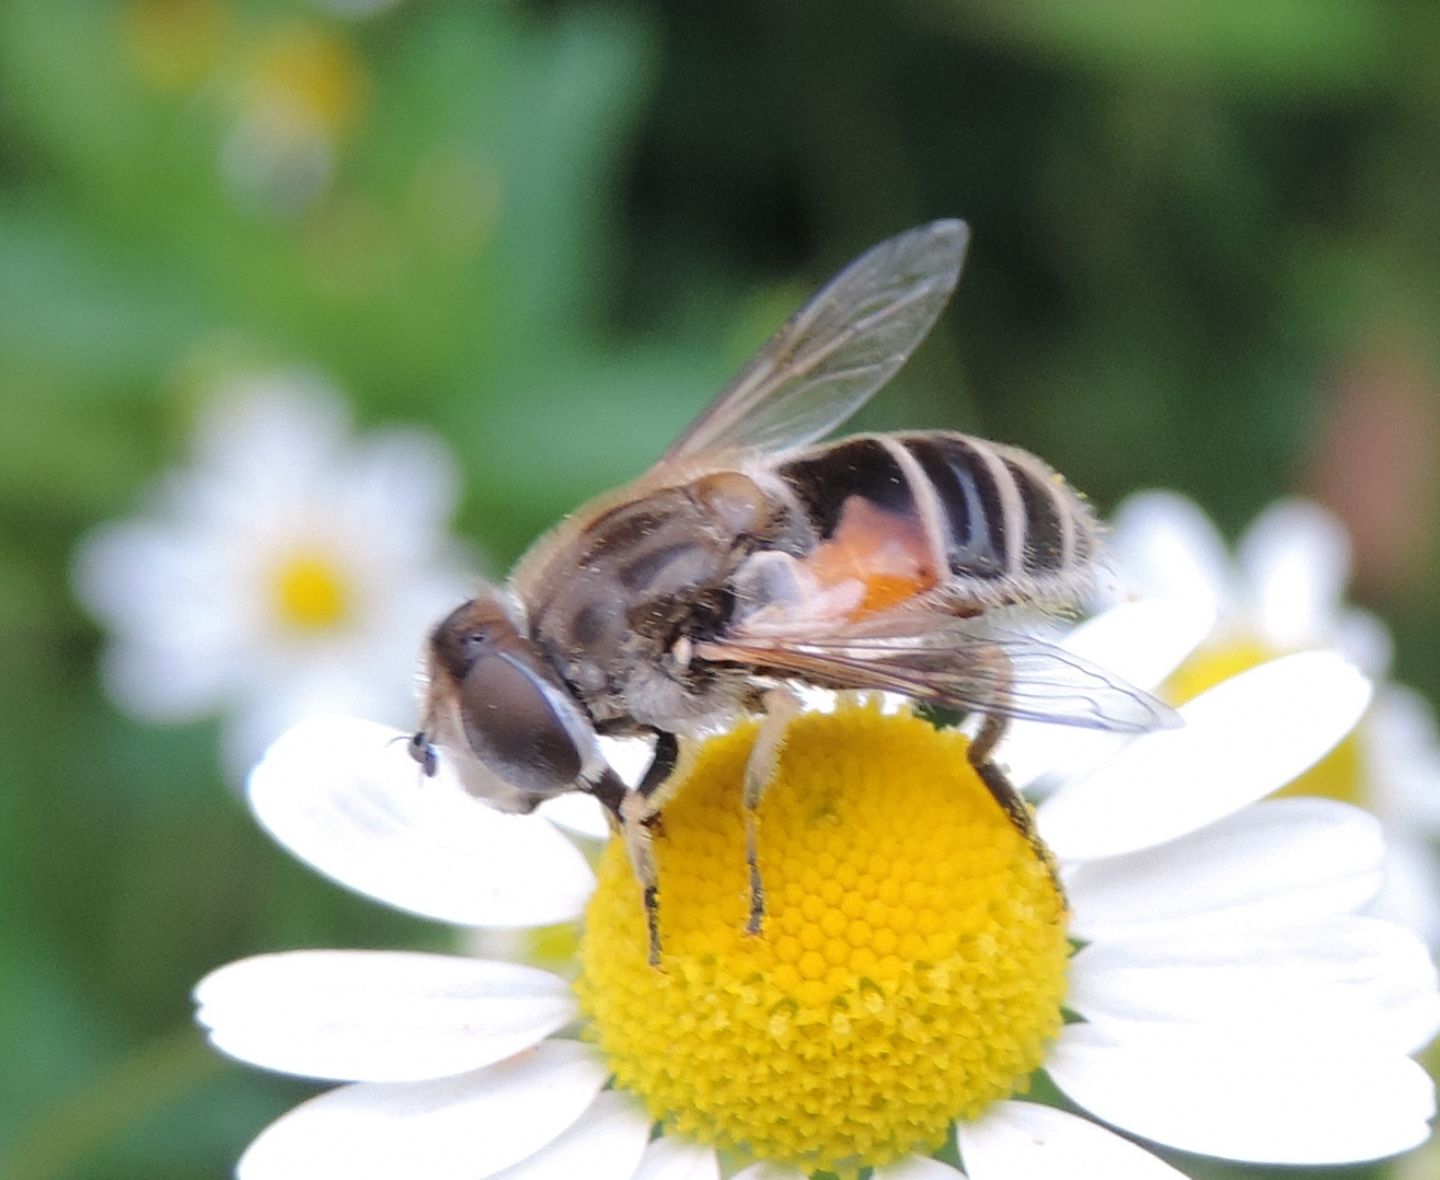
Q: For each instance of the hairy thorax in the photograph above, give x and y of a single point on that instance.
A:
(616, 608)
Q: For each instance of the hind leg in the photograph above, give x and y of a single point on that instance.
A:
(1011, 802)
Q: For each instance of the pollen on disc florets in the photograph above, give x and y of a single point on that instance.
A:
(911, 968)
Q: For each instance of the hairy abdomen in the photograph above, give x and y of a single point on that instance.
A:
(912, 513)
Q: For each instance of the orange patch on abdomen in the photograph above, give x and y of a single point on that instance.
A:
(887, 554)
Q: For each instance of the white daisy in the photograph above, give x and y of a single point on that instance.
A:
(299, 92)
(1284, 591)
(916, 966)
(287, 570)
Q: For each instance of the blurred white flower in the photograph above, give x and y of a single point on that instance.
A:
(1284, 591)
(914, 968)
(287, 570)
(300, 91)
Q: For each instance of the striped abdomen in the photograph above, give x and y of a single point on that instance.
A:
(987, 521)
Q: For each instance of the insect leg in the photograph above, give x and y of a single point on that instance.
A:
(639, 844)
(667, 753)
(781, 707)
(629, 813)
(636, 813)
(611, 792)
(646, 810)
(1011, 802)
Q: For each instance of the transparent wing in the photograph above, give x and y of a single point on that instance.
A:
(1004, 675)
(838, 349)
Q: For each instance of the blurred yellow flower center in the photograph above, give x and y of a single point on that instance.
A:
(310, 593)
(910, 972)
(315, 75)
(1339, 775)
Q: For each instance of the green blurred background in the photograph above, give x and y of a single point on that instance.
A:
(1205, 257)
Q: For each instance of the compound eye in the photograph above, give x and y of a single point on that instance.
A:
(517, 725)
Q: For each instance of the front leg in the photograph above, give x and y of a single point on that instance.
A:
(636, 813)
(781, 706)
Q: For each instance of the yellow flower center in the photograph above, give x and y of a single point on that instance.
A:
(1339, 775)
(911, 968)
(310, 593)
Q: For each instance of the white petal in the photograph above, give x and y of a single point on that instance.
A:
(769, 1171)
(1023, 1140)
(1401, 744)
(275, 430)
(1243, 739)
(1140, 642)
(668, 1158)
(163, 684)
(605, 1143)
(1165, 546)
(629, 757)
(579, 813)
(1281, 860)
(343, 794)
(407, 479)
(1410, 894)
(917, 1167)
(461, 1128)
(1143, 642)
(138, 574)
(256, 722)
(357, 679)
(182, 639)
(1312, 1100)
(1297, 559)
(1370, 977)
(1363, 640)
(378, 1016)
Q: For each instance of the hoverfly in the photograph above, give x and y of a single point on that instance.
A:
(751, 559)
